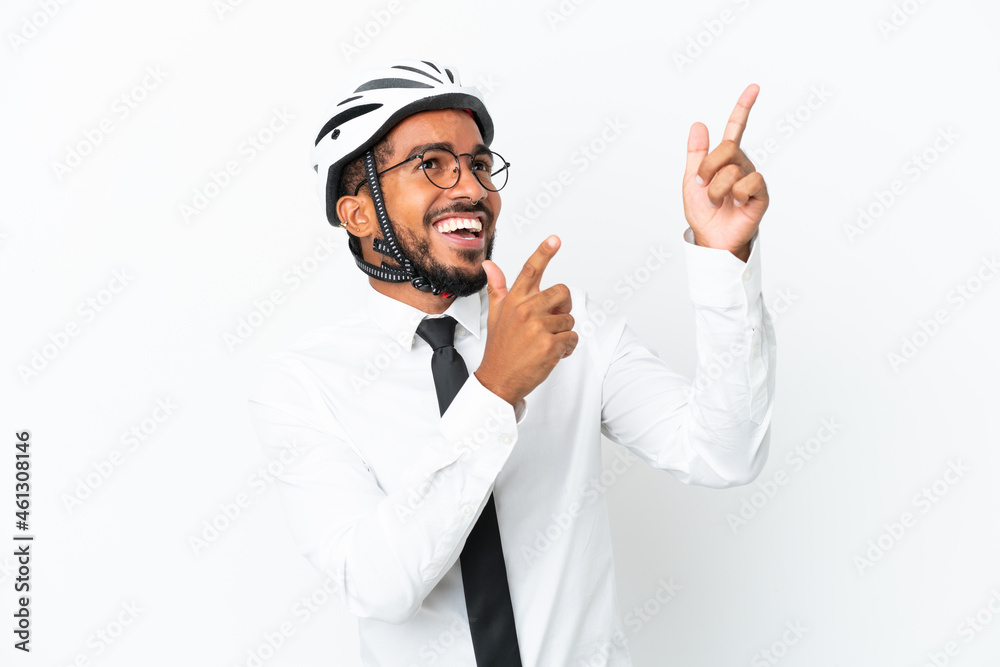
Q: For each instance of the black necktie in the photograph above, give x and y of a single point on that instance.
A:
(484, 575)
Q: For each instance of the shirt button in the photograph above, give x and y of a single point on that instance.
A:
(747, 275)
(461, 332)
(468, 509)
(506, 439)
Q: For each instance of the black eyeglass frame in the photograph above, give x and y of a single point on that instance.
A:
(506, 165)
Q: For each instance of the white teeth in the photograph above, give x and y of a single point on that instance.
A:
(451, 224)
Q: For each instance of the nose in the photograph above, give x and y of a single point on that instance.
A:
(468, 185)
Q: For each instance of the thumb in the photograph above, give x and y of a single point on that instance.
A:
(697, 149)
(496, 283)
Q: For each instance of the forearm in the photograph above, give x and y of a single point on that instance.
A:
(386, 549)
(711, 431)
(731, 396)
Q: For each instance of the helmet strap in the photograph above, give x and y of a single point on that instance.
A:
(387, 245)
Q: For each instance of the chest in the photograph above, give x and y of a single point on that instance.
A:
(389, 412)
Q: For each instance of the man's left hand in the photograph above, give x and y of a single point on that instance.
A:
(724, 196)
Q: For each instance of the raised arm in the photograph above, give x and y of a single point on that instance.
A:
(711, 431)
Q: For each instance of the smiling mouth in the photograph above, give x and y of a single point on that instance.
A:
(459, 229)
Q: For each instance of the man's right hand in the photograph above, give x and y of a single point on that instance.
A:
(528, 330)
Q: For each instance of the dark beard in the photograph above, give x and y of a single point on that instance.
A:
(450, 279)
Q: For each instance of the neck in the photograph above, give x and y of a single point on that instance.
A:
(427, 302)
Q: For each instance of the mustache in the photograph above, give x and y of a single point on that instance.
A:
(462, 207)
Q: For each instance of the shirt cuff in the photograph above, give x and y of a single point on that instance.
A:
(719, 279)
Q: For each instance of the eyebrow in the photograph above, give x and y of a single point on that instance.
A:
(447, 145)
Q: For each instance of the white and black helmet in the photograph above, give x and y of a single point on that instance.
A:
(377, 103)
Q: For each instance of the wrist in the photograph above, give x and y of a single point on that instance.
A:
(496, 387)
(743, 253)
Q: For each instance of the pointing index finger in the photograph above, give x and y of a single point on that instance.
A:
(738, 119)
(530, 278)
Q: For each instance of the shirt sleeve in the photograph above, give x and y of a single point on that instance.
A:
(383, 552)
(712, 431)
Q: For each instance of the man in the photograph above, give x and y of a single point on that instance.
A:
(463, 519)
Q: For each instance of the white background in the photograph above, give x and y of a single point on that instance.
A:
(848, 101)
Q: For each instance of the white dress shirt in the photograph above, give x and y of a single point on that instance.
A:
(381, 490)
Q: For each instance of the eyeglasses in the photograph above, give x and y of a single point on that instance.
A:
(443, 168)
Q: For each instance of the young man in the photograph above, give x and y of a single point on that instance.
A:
(451, 487)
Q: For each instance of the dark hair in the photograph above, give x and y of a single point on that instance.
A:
(353, 172)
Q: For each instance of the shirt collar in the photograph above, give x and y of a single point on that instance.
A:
(400, 320)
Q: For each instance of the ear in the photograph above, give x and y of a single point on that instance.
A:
(358, 215)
